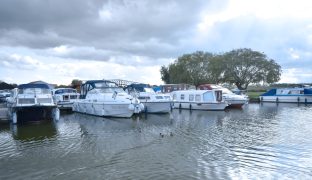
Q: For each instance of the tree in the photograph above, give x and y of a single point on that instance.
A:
(164, 71)
(76, 83)
(189, 68)
(245, 66)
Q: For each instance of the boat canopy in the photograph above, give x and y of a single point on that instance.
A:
(271, 92)
(26, 86)
(308, 91)
(92, 84)
(137, 87)
(65, 90)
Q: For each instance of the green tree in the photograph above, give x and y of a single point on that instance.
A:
(164, 71)
(189, 68)
(245, 66)
(76, 83)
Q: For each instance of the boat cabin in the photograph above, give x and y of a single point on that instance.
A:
(197, 96)
(95, 84)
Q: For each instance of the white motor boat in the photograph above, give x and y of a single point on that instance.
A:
(32, 102)
(4, 94)
(199, 100)
(153, 102)
(65, 97)
(105, 98)
(234, 100)
(288, 95)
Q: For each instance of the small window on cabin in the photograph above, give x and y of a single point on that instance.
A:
(197, 97)
(182, 97)
(191, 97)
(159, 97)
(174, 97)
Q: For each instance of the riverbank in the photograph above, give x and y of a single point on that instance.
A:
(254, 96)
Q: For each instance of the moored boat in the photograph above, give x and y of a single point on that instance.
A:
(153, 102)
(32, 102)
(105, 98)
(234, 100)
(65, 97)
(199, 100)
(288, 95)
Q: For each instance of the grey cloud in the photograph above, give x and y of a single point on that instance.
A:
(15, 61)
(273, 37)
(140, 28)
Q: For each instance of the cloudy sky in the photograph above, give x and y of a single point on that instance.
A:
(57, 40)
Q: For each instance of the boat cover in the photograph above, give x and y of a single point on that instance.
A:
(25, 86)
(271, 92)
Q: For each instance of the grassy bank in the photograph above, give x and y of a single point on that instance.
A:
(254, 96)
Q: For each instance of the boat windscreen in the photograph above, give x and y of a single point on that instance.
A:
(226, 91)
(149, 90)
(104, 84)
(34, 91)
(112, 90)
(61, 91)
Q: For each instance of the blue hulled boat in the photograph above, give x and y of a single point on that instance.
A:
(288, 95)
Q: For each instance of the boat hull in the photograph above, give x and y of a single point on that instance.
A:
(200, 106)
(236, 103)
(32, 113)
(104, 109)
(287, 99)
(157, 107)
(65, 105)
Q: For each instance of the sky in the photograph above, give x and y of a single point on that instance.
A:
(57, 41)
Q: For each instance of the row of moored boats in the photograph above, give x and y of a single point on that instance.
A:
(106, 98)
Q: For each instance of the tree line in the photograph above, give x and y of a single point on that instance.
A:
(240, 67)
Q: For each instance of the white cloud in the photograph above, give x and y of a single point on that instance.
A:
(296, 75)
(132, 39)
(294, 54)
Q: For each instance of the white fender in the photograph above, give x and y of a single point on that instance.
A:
(14, 118)
(56, 114)
(131, 107)
(141, 107)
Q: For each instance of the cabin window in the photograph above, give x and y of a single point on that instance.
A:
(174, 96)
(159, 97)
(191, 97)
(182, 97)
(208, 97)
(218, 95)
(144, 98)
(294, 92)
(167, 97)
(197, 97)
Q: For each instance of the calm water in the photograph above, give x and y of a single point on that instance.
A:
(259, 142)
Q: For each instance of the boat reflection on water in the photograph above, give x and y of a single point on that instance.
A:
(198, 119)
(34, 131)
(95, 123)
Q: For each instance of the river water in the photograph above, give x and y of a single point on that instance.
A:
(260, 141)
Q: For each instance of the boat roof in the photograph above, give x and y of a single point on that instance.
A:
(193, 91)
(209, 86)
(24, 86)
(140, 86)
(93, 82)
